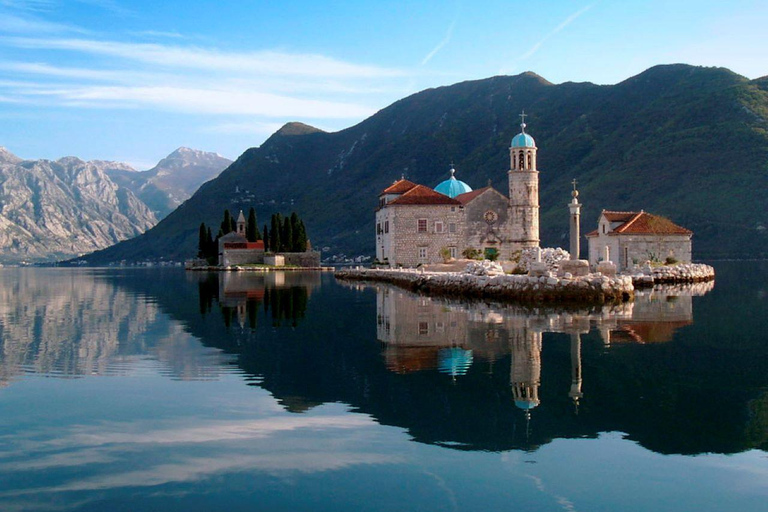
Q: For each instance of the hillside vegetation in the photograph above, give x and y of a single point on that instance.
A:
(688, 143)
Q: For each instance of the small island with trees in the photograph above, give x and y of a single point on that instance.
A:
(240, 245)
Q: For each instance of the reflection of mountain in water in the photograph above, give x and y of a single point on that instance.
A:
(464, 375)
(75, 323)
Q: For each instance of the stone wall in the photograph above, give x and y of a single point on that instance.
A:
(524, 207)
(242, 257)
(480, 234)
(408, 242)
(302, 259)
(630, 250)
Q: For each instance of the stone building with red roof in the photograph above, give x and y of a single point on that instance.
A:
(416, 224)
(631, 238)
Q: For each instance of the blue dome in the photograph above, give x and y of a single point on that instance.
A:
(525, 405)
(454, 361)
(453, 187)
(523, 140)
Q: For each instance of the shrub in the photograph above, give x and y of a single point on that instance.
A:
(671, 260)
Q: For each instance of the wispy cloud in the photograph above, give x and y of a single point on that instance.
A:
(271, 62)
(440, 45)
(13, 24)
(570, 19)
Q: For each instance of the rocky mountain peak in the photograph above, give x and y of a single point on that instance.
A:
(8, 157)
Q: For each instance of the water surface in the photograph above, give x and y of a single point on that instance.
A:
(157, 389)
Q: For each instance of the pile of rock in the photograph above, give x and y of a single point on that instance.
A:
(681, 273)
(484, 268)
(549, 256)
(591, 289)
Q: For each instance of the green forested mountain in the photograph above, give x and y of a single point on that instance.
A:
(690, 143)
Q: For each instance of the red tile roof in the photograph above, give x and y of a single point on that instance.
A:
(420, 194)
(618, 216)
(399, 187)
(258, 244)
(642, 223)
(469, 196)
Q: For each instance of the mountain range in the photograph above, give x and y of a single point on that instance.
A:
(53, 210)
(174, 179)
(686, 142)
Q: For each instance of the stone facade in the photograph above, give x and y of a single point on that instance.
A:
(415, 224)
(632, 238)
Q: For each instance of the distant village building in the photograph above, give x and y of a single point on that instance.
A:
(416, 224)
(631, 238)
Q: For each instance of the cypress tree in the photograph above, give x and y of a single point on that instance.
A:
(287, 235)
(252, 229)
(301, 244)
(226, 224)
(201, 246)
(274, 233)
(295, 232)
(210, 246)
(266, 238)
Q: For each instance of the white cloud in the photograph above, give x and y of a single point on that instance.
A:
(440, 45)
(570, 19)
(180, 57)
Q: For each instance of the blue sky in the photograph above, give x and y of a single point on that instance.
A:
(132, 81)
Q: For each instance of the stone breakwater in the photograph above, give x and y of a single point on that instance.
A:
(591, 289)
(682, 273)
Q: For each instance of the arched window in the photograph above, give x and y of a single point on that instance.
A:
(529, 161)
(521, 164)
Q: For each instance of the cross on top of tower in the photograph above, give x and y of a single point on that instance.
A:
(574, 183)
(523, 115)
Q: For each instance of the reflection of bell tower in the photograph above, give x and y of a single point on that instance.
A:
(525, 375)
(575, 392)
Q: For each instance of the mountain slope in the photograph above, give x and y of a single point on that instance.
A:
(686, 142)
(174, 179)
(52, 210)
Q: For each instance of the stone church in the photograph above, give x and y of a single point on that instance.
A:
(416, 224)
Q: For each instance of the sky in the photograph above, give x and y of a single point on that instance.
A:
(133, 80)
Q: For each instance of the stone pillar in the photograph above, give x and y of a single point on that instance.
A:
(575, 209)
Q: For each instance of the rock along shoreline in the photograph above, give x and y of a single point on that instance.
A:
(591, 289)
(594, 288)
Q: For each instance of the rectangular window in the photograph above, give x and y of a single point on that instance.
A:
(423, 328)
(626, 257)
(452, 227)
(422, 253)
(454, 252)
(386, 226)
(439, 227)
(378, 229)
(422, 225)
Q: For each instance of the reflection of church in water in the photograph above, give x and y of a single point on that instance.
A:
(422, 333)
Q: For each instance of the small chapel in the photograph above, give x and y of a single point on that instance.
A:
(417, 225)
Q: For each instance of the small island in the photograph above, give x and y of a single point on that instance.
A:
(420, 233)
(241, 246)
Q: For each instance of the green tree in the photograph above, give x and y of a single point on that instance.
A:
(287, 235)
(294, 232)
(228, 224)
(266, 238)
(301, 238)
(274, 233)
(202, 248)
(252, 228)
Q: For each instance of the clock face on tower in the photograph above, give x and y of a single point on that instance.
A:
(490, 217)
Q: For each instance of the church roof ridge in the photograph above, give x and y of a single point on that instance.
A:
(400, 186)
(421, 194)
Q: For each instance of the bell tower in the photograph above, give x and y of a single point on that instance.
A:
(523, 190)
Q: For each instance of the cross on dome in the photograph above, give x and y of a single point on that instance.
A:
(523, 115)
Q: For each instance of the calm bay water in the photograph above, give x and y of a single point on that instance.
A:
(164, 390)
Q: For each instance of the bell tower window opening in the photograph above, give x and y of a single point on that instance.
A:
(529, 162)
(521, 161)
